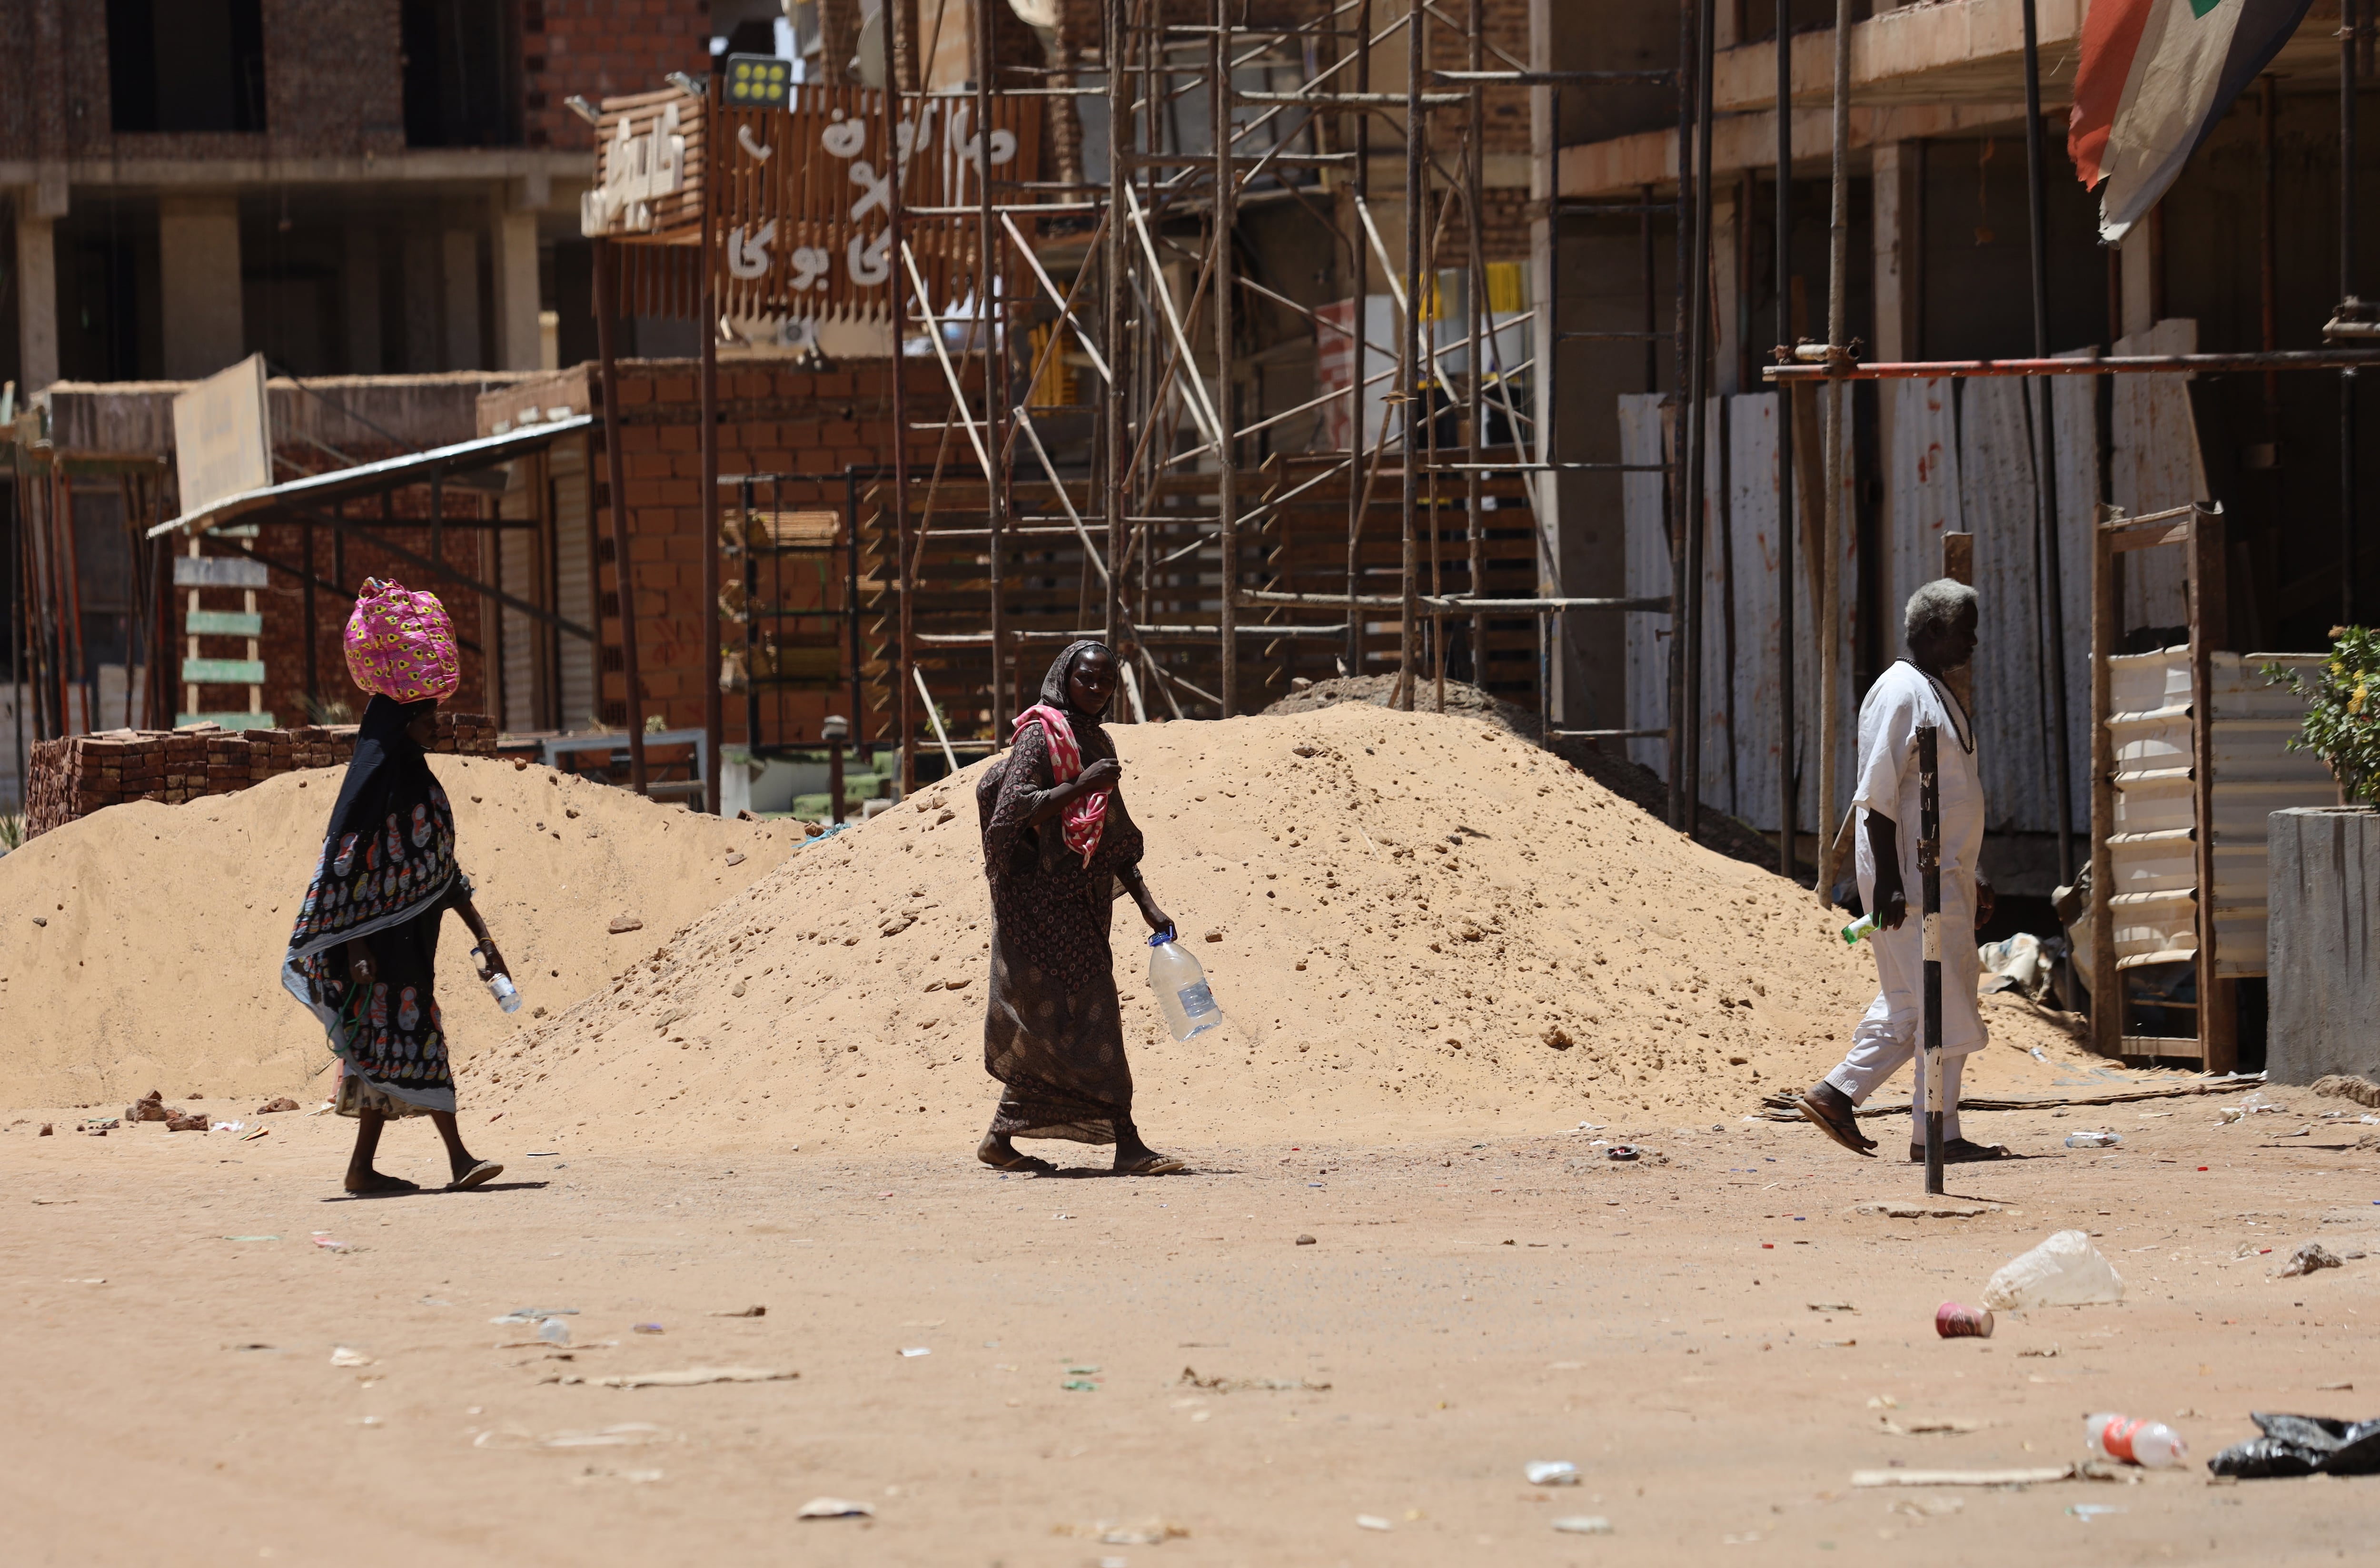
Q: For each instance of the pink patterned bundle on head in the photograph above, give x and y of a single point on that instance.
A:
(401, 645)
(1086, 816)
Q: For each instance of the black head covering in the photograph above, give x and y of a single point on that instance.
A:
(387, 770)
(1056, 689)
(389, 851)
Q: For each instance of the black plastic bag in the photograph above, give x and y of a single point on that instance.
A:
(2302, 1445)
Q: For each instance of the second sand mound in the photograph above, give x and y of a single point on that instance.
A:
(140, 947)
(1414, 923)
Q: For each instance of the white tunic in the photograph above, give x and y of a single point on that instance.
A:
(1903, 698)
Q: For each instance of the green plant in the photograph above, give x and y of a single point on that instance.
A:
(12, 832)
(2342, 722)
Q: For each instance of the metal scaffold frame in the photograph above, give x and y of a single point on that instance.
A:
(1168, 498)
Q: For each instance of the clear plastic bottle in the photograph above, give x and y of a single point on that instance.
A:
(553, 1330)
(500, 985)
(2134, 1440)
(1181, 986)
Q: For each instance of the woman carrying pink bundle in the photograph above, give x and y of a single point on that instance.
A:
(363, 954)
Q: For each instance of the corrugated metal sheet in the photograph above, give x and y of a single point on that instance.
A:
(1718, 761)
(2255, 775)
(2074, 407)
(1921, 487)
(1645, 517)
(2000, 504)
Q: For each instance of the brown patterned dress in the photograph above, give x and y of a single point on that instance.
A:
(1052, 1033)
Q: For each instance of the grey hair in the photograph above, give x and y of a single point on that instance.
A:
(1935, 607)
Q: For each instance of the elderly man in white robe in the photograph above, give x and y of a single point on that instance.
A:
(1940, 628)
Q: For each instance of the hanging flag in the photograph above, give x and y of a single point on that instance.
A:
(2156, 76)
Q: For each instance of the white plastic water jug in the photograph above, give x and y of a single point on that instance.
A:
(1181, 986)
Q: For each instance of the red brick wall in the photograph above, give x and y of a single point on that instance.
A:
(594, 47)
(773, 419)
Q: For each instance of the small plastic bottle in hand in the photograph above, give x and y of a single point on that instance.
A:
(500, 985)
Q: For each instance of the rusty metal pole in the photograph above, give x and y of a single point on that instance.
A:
(607, 302)
(713, 716)
(1787, 794)
(1418, 295)
(904, 648)
(1227, 498)
(1830, 617)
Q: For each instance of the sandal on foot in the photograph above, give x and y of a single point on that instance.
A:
(379, 1186)
(1837, 1125)
(1153, 1164)
(1013, 1161)
(478, 1176)
(1960, 1152)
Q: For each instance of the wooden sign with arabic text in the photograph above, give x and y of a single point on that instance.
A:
(803, 196)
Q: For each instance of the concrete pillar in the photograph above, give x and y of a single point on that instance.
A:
(1896, 208)
(513, 237)
(459, 285)
(1726, 289)
(199, 286)
(424, 293)
(362, 302)
(37, 297)
(2137, 259)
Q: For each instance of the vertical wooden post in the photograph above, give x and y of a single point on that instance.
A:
(607, 308)
(2218, 1036)
(2107, 631)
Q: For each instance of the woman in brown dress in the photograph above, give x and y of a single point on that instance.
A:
(1057, 843)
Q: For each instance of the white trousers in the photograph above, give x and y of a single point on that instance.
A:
(1879, 1045)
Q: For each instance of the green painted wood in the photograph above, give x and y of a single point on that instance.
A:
(223, 672)
(228, 720)
(223, 624)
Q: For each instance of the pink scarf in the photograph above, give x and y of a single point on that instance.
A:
(1086, 816)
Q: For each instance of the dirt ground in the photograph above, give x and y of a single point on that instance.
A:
(1717, 1341)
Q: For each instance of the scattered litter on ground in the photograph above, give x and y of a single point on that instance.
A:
(1928, 1426)
(1113, 1532)
(1191, 1379)
(1583, 1524)
(2064, 1271)
(1952, 1320)
(916, 1350)
(2133, 1440)
(741, 1312)
(1304, 1241)
(835, 1508)
(2302, 1445)
(1550, 1473)
(691, 1377)
(2086, 1512)
(648, 1328)
(1372, 1522)
(343, 1356)
(2010, 1478)
(2095, 1139)
(553, 1330)
(2313, 1255)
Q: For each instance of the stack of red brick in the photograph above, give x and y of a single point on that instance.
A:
(74, 777)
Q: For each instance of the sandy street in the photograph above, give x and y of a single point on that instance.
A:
(1718, 1343)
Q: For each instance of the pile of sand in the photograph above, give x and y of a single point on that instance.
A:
(1415, 922)
(140, 947)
